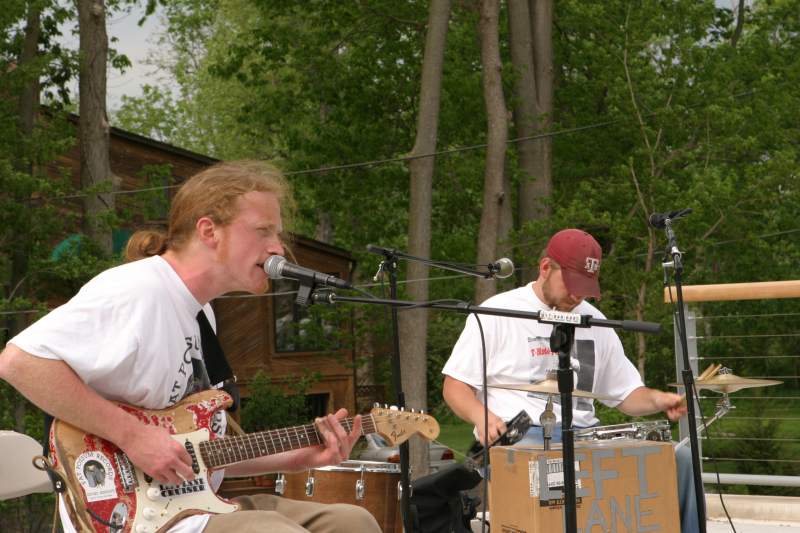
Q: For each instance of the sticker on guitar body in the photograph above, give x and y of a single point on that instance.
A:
(95, 473)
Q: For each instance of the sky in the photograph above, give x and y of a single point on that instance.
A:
(137, 42)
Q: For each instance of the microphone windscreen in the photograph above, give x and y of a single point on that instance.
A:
(505, 267)
(274, 265)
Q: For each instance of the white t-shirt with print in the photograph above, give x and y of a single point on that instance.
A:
(518, 351)
(131, 334)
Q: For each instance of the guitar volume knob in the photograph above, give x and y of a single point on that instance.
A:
(153, 493)
(149, 513)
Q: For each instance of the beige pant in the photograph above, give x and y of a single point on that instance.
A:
(265, 513)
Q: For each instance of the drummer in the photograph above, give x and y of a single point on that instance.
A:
(518, 351)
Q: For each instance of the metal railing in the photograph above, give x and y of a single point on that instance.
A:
(769, 343)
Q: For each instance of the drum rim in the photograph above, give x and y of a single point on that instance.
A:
(358, 466)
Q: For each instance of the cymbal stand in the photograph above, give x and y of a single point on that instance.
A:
(724, 406)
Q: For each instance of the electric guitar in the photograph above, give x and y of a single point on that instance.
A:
(106, 492)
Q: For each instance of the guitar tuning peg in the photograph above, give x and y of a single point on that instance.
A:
(393, 408)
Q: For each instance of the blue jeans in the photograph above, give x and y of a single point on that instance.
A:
(683, 461)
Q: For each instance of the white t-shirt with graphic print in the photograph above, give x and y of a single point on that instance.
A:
(131, 334)
(518, 351)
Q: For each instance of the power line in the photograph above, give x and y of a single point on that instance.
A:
(397, 159)
(366, 164)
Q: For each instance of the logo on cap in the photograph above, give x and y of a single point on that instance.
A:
(592, 265)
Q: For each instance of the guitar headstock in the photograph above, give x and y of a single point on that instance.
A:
(396, 426)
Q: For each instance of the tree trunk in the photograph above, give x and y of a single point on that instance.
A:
(413, 324)
(506, 222)
(27, 107)
(497, 135)
(641, 339)
(93, 127)
(530, 26)
(27, 111)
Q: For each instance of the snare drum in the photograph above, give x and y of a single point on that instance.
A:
(372, 485)
(657, 430)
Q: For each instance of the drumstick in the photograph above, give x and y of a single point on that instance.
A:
(706, 372)
(709, 372)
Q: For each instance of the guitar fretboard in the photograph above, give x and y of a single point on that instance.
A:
(231, 450)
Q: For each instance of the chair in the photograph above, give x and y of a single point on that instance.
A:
(18, 476)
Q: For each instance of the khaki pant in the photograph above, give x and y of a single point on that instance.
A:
(265, 513)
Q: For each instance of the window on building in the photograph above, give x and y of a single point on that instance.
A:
(302, 329)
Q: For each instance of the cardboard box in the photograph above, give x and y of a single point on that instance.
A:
(623, 486)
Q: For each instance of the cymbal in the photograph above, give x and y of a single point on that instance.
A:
(727, 383)
(548, 386)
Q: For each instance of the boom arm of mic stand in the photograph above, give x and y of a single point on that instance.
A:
(329, 297)
(438, 264)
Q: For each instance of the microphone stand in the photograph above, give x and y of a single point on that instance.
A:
(561, 340)
(688, 379)
(389, 265)
(562, 337)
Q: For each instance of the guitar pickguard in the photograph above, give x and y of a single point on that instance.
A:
(162, 505)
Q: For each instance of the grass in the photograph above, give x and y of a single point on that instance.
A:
(457, 436)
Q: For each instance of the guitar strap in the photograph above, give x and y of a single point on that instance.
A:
(219, 371)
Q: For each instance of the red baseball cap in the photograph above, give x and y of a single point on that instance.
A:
(579, 256)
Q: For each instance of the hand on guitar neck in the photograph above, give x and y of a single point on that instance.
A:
(337, 442)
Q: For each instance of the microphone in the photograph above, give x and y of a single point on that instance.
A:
(658, 220)
(277, 267)
(502, 268)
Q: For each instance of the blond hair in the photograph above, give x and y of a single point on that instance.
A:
(211, 193)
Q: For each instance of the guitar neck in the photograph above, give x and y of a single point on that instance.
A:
(230, 450)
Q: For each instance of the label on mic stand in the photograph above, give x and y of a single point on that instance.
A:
(560, 317)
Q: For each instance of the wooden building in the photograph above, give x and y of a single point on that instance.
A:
(258, 333)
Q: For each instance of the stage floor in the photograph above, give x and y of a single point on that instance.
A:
(749, 526)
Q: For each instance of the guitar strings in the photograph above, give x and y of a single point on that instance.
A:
(229, 450)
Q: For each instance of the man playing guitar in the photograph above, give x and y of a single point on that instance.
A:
(131, 336)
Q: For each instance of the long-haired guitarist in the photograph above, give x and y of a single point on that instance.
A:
(131, 335)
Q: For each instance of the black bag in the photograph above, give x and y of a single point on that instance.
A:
(438, 504)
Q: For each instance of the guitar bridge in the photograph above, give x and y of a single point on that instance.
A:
(127, 474)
